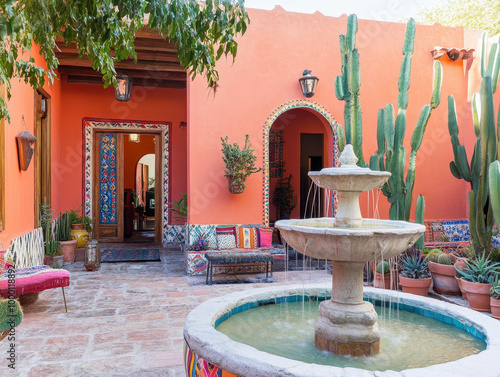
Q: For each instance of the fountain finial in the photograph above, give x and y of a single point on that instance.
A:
(347, 157)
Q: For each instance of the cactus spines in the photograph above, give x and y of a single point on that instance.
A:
(347, 87)
(482, 171)
(443, 259)
(64, 227)
(391, 155)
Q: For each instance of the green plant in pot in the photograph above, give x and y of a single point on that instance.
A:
(441, 266)
(180, 208)
(414, 274)
(495, 297)
(240, 164)
(382, 275)
(63, 235)
(81, 226)
(283, 197)
(477, 277)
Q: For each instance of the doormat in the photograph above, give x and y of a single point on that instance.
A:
(110, 256)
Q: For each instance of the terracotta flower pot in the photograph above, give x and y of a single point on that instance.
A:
(382, 280)
(444, 280)
(68, 250)
(459, 281)
(495, 308)
(415, 286)
(478, 295)
(57, 262)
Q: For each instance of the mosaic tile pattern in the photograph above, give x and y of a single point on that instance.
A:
(91, 125)
(457, 230)
(196, 231)
(198, 367)
(266, 130)
(196, 263)
(175, 234)
(107, 177)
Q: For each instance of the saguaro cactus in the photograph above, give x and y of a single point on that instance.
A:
(486, 151)
(347, 88)
(391, 155)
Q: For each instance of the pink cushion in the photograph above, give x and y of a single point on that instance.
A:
(265, 237)
(34, 279)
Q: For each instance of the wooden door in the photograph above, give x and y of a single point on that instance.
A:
(108, 187)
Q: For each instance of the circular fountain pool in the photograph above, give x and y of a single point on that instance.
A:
(213, 346)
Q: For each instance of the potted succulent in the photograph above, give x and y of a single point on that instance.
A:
(477, 278)
(240, 163)
(81, 226)
(414, 275)
(63, 236)
(283, 197)
(382, 275)
(495, 298)
(443, 272)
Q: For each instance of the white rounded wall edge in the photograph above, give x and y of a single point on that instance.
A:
(243, 360)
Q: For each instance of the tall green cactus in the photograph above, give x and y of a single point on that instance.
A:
(347, 88)
(419, 218)
(64, 227)
(391, 155)
(484, 196)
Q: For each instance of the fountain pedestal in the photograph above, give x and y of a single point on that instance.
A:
(347, 325)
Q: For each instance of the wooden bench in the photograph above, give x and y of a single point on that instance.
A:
(241, 257)
(29, 274)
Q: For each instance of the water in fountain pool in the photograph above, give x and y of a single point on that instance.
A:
(408, 340)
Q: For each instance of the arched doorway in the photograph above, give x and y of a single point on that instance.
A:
(299, 136)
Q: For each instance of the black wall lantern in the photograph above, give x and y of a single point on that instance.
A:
(123, 87)
(308, 83)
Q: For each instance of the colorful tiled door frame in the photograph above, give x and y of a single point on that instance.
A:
(91, 124)
(295, 104)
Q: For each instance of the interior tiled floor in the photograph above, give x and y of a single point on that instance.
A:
(124, 320)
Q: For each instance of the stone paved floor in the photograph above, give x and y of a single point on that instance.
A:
(124, 320)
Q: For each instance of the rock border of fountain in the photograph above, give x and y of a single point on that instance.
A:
(218, 349)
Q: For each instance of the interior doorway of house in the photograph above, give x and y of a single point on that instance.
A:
(139, 188)
(311, 159)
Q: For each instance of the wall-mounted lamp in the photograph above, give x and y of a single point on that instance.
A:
(123, 87)
(24, 149)
(134, 138)
(308, 83)
(183, 124)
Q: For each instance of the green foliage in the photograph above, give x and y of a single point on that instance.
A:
(495, 289)
(419, 218)
(426, 251)
(45, 218)
(383, 267)
(482, 164)
(413, 265)
(433, 255)
(11, 313)
(391, 155)
(63, 227)
(471, 14)
(77, 217)
(180, 207)
(443, 259)
(495, 255)
(104, 31)
(52, 248)
(480, 270)
(240, 163)
(283, 195)
(347, 87)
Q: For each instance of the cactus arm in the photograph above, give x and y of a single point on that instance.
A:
(454, 170)
(476, 111)
(483, 47)
(492, 63)
(496, 68)
(437, 80)
(389, 127)
(464, 164)
(409, 41)
(339, 89)
(374, 162)
(488, 119)
(381, 132)
(410, 183)
(498, 132)
(472, 217)
(494, 186)
(418, 132)
(341, 137)
(404, 81)
(352, 29)
(419, 218)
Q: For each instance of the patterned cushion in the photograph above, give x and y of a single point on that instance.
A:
(226, 237)
(2, 261)
(247, 238)
(264, 237)
(197, 231)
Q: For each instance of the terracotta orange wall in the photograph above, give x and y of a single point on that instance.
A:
(277, 47)
(132, 154)
(294, 123)
(151, 104)
(19, 185)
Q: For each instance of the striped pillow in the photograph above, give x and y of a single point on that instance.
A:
(247, 238)
(226, 237)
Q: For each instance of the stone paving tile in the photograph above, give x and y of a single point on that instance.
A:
(124, 320)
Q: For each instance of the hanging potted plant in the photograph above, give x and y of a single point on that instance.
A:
(63, 236)
(240, 163)
(414, 275)
(283, 197)
(477, 278)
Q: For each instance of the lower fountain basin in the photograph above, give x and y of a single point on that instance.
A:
(217, 349)
(374, 240)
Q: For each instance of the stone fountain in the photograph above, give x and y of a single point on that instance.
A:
(347, 325)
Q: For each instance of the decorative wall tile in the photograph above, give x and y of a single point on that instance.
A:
(175, 234)
(457, 230)
(107, 176)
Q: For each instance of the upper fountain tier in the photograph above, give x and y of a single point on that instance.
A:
(349, 177)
